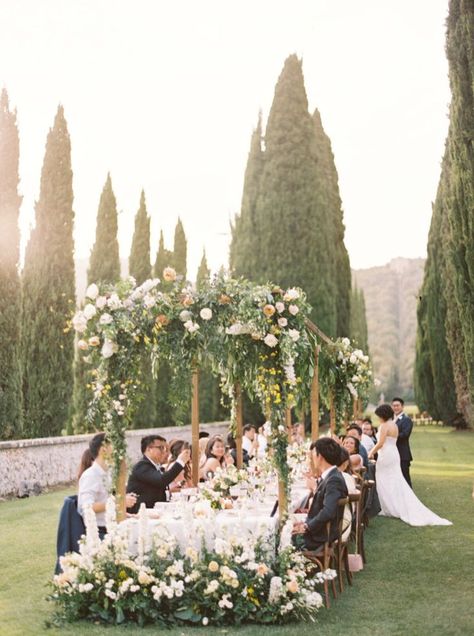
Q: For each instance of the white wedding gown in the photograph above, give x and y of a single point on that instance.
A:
(396, 497)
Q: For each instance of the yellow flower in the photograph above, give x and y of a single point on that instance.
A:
(269, 310)
(213, 566)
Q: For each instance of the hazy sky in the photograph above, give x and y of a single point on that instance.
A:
(165, 95)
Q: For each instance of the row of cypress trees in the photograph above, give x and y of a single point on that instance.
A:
(290, 228)
(444, 368)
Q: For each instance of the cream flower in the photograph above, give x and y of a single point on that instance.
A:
(292, 586)
(92, 291)
(213, 566)
(79, 322)
(185, 315)
(89, 311)
(169, 274)
(280, 307)
(269, 310)
(94, 341)
(109, 348)
(82, 345)
(105, 319)
(293, 309)
(101, 302)
(270, 340)
(282, 322)
(291, 294)
(206, 313)
(294, 334)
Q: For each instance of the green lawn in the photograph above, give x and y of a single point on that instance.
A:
(417, 580)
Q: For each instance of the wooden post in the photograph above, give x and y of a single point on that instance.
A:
(121, 486)
(239, 416)
(315, 397)
(282, 502)
(355, 407)
(288, 423)
(332, 414)
(195, 426)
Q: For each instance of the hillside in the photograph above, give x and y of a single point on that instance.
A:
(391, 294)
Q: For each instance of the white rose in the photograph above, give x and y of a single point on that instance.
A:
(365, 359)
(291, 294)
(101, 302)
(109, 348)
(206, 313)
(105, 319)
(114, 302)
(270, 340)
(353, 359)
(355, 378)
(191, 326)
(89, 311)
(185, 315)
(346, 342)
(293, 309)
(205, 621)
(235, 329)
(92, 291)
(79, 322)
(149, 284)
(294, 334)
(280, 307)
(359, 354)
(149, 301)
(282, 322)
(82, 345)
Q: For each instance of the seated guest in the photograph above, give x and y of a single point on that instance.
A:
(369, 430)
(356, 431)
(229, 458)
(231, 443)
(262, 441)
(184, 479)
(250, 440)
(353, 446)
(298, 434)
(213, 457)
(203, 434)
(324, 507)
(344, 466)
(148, 479)
(95, 482)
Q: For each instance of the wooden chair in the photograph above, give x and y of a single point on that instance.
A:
(329, 554)
(361, 518)
(341, 547)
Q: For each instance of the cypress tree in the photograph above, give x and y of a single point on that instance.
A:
(164, 258)
(10, 289)
(435, 390)
(244, 248)
(329, 186)
(460, 52)
(48, 297)
(358, 322)
(203, 272)
(104, 264)
(139, 262)
(180, 250)
(140, 269)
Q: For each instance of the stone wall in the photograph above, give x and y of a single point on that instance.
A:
(54, 460)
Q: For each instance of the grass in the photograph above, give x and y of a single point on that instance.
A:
(417, 580)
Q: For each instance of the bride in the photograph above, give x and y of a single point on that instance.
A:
(396, 497)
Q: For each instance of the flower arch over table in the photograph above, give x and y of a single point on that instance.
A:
(258, 338)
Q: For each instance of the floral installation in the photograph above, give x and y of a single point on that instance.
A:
(218, 489)
(346, 374)
(238, 581)
(254, 335)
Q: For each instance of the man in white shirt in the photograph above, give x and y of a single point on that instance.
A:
(95, 483)
(249, 440)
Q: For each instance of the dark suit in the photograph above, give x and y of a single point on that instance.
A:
(149, 483)
(323, 509)
(405, 426)
(70, 529)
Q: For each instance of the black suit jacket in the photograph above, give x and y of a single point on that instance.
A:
(149, 483)
(323, 509)
(405, 426)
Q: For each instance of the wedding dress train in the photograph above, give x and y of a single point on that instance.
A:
(396, 497)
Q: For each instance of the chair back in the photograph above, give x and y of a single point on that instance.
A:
(70, 529)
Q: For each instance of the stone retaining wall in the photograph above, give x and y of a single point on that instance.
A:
(54, 460)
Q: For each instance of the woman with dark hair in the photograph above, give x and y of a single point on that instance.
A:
(184, 479)
(352, 446)
(396, 497)
(86, 462)
(214, 457)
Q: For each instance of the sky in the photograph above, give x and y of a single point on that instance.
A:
(165, 95)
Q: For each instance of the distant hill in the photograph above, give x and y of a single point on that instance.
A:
(391, 294)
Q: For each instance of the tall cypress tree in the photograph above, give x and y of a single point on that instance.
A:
(203, 272)
(104, 264)
(164, 258)
(10, 290)
(48, 297)
(244, 248)
(460, 52)
(180, 250)
(435, 389)
(329, 186)
(140, 269)
(358, 323)
(139, 261)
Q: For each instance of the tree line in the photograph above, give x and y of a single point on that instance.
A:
(444, 369)
(289, 230)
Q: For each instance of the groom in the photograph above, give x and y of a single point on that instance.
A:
(405, 426)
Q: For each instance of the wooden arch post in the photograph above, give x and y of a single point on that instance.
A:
(195, 426)
(121, 489)
(315, 397)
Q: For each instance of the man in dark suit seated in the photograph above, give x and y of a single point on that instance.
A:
(148, 480)
(405, 427)
(311, 534)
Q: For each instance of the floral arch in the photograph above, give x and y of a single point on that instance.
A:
(258, 338)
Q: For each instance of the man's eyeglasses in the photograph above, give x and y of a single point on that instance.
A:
(160, 447)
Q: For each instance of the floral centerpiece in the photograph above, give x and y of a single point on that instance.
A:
(237, 582)
(218, 489)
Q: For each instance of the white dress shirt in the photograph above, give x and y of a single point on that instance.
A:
(94, 486)
(367, 442)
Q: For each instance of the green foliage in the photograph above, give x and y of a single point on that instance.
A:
(180, 250)
(48, 297)
(164, 258)
(139, 261)
(203, 273)
(291, 209)
(10, 288)
(104, 264)
(358, 323)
